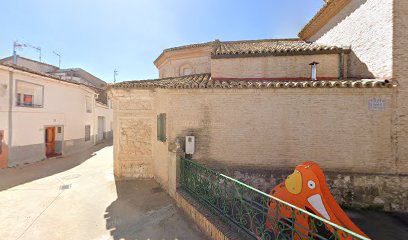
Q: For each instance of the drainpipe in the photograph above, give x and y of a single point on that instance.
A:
(95, 120)
(341, 64)
(10, 116)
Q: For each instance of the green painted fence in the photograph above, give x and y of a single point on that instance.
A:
(246, 208)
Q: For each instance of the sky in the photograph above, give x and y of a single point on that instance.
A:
(128, 35)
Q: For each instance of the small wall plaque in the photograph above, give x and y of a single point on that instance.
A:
(376, 104)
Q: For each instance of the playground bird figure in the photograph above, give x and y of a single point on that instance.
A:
(306, 188)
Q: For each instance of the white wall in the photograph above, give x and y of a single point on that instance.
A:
(64, 105)
(107, 112)
(4, 123)
(366, 26)
(4, 93)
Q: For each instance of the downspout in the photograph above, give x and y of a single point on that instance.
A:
(341, 64)
(10, 117)
(95, 120)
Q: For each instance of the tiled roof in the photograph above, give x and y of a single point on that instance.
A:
(24, 69)
(205, 81)
(270, 47)
(102, 95)
(20, 68)
(264, 47)
(183, 47)
(4, 60)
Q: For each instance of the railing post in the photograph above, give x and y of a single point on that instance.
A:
(175, 156)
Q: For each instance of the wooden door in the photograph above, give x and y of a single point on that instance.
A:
(50, 141)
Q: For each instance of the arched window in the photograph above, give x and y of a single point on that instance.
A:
(186, 69)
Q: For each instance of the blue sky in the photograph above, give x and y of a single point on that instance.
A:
(100, 36)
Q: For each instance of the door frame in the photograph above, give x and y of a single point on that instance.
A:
(56, 132)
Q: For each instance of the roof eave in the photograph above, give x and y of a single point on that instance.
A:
(156, 61)
(289, 53)
(327, 12)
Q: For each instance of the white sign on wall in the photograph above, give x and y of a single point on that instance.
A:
(376, 104)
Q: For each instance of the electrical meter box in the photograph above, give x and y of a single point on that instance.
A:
(190, 142)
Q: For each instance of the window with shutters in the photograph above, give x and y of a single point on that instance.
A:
(161, 127)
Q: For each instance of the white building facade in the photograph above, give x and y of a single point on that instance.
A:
(42, 116)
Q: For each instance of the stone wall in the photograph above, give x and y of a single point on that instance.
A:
(133, 125)
(275, 67)
(352, 190)
(366, 26)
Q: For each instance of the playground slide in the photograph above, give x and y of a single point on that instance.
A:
(307, 189)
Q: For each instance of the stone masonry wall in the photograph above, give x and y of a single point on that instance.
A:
(354, 190)
(133, 125)
(366, 26)
(275, 66)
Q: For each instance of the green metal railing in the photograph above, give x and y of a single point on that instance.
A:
(246, 208)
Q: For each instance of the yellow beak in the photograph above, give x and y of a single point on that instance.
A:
(293, 182)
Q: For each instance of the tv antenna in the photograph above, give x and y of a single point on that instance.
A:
(17, 45)
(115, 73)
(59, 58)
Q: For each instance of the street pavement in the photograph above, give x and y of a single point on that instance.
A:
(76, 197)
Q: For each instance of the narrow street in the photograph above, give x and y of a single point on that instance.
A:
(77, 197)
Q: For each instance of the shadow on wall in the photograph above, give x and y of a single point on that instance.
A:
(357, 68)
(12, 177)
(143, 210)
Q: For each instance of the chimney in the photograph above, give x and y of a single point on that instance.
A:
(313, 71)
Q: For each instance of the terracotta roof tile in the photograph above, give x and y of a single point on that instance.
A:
(270, 47)
(205, 81)
(50, 76)
(195, 45)
(263, 47)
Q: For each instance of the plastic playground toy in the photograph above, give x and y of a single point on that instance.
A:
(306, 188)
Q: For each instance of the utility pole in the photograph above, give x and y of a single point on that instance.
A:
(59, 59)
(115, 73)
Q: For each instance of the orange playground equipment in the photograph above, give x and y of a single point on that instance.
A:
(306, 188)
